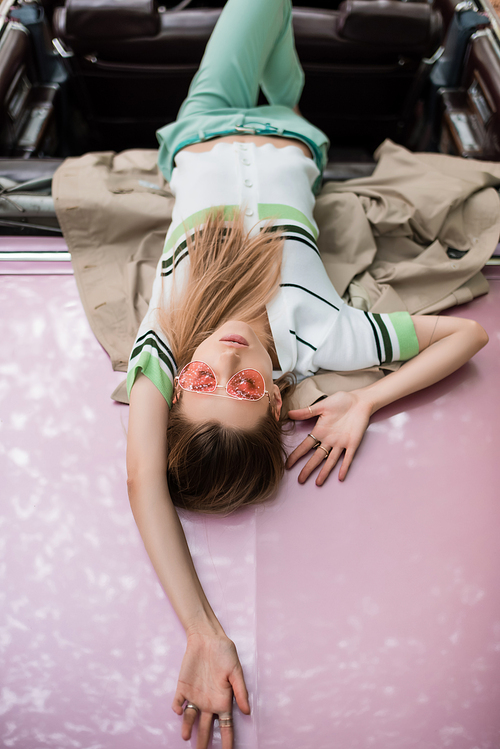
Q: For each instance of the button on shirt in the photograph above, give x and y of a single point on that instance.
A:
(311, 326)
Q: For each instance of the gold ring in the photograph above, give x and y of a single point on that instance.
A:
(327, 452)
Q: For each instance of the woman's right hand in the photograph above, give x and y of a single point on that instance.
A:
(210, 673)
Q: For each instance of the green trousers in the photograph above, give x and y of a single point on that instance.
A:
(251, 47)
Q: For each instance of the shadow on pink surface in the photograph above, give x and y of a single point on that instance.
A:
(366, 614)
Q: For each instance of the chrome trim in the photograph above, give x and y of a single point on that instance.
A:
(480, 33)
(183, 4)
(39, 183)
(61, 49)
(491, 36)
(50, 257)
(465, 5)
(28, 203)
(435, 57)
(18, 26)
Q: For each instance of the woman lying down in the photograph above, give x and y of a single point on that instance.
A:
(241, 308)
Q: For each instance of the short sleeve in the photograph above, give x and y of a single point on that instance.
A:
(151, 353)
(398, 335)
(152, 356)
(359, 339)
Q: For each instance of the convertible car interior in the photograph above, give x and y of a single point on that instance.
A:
(89, 75)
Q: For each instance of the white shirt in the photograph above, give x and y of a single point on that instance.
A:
(311, 326)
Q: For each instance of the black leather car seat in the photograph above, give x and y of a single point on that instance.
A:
(132, 66)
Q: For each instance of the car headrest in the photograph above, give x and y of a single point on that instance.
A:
(111, 19)
(388, 22)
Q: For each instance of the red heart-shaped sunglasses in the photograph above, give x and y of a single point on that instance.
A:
(199, 377)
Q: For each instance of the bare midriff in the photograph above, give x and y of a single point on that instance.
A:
(259, 140)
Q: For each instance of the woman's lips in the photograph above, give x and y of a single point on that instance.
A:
(235, 340)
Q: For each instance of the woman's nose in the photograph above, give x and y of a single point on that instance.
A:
(228, 363)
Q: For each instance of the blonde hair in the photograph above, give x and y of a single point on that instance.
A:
(232, 275)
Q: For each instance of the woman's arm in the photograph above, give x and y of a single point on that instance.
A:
(445, 344)
(210, 670)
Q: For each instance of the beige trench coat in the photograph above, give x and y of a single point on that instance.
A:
(383, 240)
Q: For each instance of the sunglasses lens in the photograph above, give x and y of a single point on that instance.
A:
(198, 377)
(248, 384)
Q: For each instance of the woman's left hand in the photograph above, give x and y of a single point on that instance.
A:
(210, 674)
(342, 422)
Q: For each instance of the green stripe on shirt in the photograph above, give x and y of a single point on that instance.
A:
(407, 337)
(197, 219)
(278, 211)
(266, 211)
(150, 367)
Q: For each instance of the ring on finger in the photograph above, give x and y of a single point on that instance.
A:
(317, 442)
(226, 722)
(327, 452)
(190, 706)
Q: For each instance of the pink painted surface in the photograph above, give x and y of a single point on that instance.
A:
(367, 614)
(52, 268)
